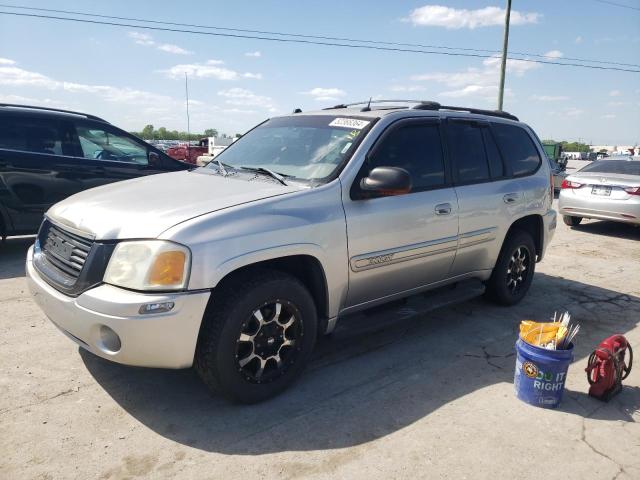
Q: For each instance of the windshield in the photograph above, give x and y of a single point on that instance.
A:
(308, 148)
(624, 167)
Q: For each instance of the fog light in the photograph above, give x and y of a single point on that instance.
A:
(109, 340)
(156, 307)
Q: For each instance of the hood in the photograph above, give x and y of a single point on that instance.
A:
(147, 206)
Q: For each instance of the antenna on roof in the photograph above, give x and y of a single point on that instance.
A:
(368, 107)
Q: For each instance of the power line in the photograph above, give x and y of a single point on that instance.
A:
(316, 37)
(311, 42)
(615, 4)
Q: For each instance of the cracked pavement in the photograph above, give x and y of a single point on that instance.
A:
(400, 391)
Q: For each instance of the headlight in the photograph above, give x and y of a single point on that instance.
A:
(149, 265)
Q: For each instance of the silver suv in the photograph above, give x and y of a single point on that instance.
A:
(237, 267)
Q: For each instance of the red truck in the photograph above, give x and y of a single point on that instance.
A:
(189, 153)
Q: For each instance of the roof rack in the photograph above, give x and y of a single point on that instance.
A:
(49, 109)
(430, 105)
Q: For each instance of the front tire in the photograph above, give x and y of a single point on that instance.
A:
(571, 221)
(257, 335)
(513, 272)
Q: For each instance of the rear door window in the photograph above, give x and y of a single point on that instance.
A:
(416, 147)
(34, 135)
(517, 148)
(466, 146)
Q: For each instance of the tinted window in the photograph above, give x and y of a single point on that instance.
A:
(467, 152)
(26, 134)
(416, 148)
(623, 167)
(496, 167)
(102, 144)
(517, 148)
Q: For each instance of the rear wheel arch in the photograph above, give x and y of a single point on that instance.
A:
(534, 226)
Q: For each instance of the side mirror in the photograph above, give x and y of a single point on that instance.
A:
(387, 181)
(154, 159)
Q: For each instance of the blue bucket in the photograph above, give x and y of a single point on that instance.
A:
(540, 374)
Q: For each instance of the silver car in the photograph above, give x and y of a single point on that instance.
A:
(605, 190)
(238, 266)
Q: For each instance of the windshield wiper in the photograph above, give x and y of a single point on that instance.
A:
(221, 168)
(266, 171)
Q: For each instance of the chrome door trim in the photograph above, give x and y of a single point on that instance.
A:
(405, 253)
(476, 237)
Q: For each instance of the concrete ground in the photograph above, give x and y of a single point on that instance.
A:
(395, 393)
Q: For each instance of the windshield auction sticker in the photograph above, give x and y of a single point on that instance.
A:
(349, 123)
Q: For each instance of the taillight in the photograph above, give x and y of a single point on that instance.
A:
(570, 184)
(632, 190)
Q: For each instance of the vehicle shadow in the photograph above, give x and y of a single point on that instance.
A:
(13, 253)
(378, 373)
(610, 229)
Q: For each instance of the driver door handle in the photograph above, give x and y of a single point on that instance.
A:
(443, 209)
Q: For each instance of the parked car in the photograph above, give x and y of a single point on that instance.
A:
(48, 154)
(559, 173)
(238, 266)
(605, 189)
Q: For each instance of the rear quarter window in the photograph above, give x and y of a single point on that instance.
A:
(518, 149)
(30, 135)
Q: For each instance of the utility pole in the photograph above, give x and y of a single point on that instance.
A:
(186, 91)
(505, 48)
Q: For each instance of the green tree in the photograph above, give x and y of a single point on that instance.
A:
(211, 132)
(147, 132)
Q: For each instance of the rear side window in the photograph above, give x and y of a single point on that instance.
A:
(496, 167)
(418, 149)
(467, 152)
(36, 135)
(517, 149)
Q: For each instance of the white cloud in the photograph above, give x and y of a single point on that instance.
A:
(168, 47)
(15, 76)
(141, 38)
(147, 40)
(478, 82)
(578, 40)
(6, 61)
(209, 69)
(325, 94)
(453, 18)
(609, 116)
(616, 104)
(615, 93)
(255, 54)
(243, 97)
(554, 54)
(407, 88)
(568, 112)
(549, 98)
(473, 91)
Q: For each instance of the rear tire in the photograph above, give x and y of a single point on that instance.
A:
(513, 272)
(257, 335)
(571, 221)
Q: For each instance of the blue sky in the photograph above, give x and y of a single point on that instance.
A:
(133, 77)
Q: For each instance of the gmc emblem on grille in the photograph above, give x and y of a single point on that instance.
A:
(60, 248)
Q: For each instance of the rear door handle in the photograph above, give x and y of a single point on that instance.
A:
(511, 197)
(443, 209)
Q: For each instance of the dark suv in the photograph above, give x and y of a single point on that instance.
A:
(48, 154)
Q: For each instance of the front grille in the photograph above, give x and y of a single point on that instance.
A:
(64, 250)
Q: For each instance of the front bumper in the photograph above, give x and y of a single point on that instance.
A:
(165, 340)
